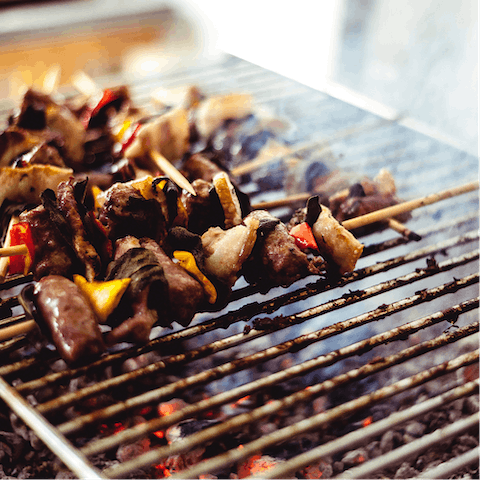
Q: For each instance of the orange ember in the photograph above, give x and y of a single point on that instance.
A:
(256, 464)
(367, 421)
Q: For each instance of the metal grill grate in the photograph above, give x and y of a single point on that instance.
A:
(375, 336)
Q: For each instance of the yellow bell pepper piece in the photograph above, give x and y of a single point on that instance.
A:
(103, 296)
(187, 261)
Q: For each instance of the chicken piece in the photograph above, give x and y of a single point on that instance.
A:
(70, 319)
(24, 185)
(212, 112)
(276, 259)
(53, 255)
(168, 135)
(227, 250)
(334, 241)
(184, 292)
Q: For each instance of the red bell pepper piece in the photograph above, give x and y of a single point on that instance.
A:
(107, 97)
(20, 234)
(303, 235)
(131, 138)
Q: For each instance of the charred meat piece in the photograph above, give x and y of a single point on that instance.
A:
(364, 197)
(276, 259)
(127, 212)
(227, 250)
(53, 255)
(70, 319)
(204, 209)
(184, 292)
(146, 299)
(71, 209)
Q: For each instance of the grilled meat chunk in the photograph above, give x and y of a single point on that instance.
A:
(70, 319)
(184, 292)
(276, 259)
(71, 210)
(53, 255)
(145, 301)
(127, 212)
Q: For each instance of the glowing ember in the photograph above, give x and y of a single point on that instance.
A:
(257, 464)
(239, 401)
(367, 421)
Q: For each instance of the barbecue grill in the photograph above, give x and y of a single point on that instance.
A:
(297, 376)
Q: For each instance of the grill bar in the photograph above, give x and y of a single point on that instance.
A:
(402, 453)
(447, 469)
(59, 445)
(300, 369)
(359, 437)
(304, 426)
(262, 356)
(69, 399)
(322, 128)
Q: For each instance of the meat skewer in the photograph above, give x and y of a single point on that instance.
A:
(27, 326)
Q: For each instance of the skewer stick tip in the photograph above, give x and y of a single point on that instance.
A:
(170, 170)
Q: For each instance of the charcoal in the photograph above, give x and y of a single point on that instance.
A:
(355, 457)
(406, 471)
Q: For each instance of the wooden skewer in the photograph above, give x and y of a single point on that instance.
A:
(11, 251)
(18, 329)
(268, 153)
(393, 211)
(378, 215)
(166, 167)
(403, 230)
(4, 260)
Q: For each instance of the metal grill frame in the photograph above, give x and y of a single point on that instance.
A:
(352, 127)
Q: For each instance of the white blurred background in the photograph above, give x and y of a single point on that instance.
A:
(413, 58)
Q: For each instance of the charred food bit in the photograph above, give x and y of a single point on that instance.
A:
(70, 319)
(334, 241)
